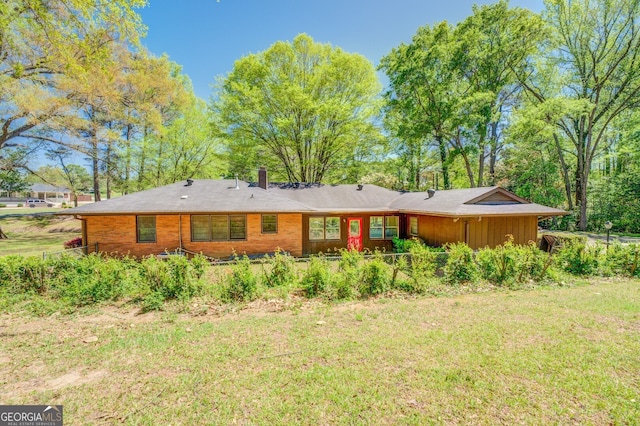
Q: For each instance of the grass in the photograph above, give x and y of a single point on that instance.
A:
(31, 235)
(549, 355)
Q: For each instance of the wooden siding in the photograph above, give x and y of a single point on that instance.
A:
(488, 231)
(117, 234)
(314, 247)
(493, 231)
(436, 231)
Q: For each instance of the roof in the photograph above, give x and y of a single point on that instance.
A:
(45, 187)
(337, 198)
(202, 196)
(484, 201)
(213, 196)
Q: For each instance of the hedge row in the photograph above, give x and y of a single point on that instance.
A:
(92, 279)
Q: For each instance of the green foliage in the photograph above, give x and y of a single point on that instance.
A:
(423, 261)
(620, 259)
(241, 284)
(316, 279)
(578, 258)
(306, 119)
(376, 276)
(509, 264)
(461, 266)
(282, 270)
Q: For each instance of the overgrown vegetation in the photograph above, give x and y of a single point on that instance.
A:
(66, 282)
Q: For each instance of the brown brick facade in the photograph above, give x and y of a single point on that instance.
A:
(117, 235)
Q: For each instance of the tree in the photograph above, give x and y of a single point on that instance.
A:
(423, 95)
(44, 43)
(492, 50)
(305, 106)
(75, 177)
(593, 57)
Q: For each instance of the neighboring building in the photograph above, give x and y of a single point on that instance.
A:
(44, 191)
(221, 217)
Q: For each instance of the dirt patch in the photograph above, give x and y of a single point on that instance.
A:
(41, 384)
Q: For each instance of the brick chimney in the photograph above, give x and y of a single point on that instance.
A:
(263, 180)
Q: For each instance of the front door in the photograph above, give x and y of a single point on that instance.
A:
(354, 237)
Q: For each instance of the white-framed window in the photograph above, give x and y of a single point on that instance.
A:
(324, 228)
(384, 227)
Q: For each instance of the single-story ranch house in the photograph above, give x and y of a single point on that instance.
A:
(220, 217)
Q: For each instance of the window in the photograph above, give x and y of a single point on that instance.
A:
(332, 228)
(269, 224)
(324, 228)
(383, 227)
(237, 225)
(218, 227)
(376, 227)
(200, 228)
(413, 226)
(391, 226)
(146, 229)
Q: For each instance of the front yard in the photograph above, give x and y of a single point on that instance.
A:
(550, 355)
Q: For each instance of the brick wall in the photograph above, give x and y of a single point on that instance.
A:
(117, 234)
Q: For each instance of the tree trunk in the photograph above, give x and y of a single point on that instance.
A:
(3, 236)
(444, 162)
(96, 169)
(565, 172)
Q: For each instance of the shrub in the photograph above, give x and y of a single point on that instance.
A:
(241, 284)
(423, 262)
(2, 205)
(282, 270)
(20, 205)
(174, 277)
(460, 266)
(508, 263)
(577, 258)
(73, 243)
(376, 276)
(346, 282)
(317, 278)
(619, 260)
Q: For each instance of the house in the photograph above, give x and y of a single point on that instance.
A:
(44, 191)
(219, 217)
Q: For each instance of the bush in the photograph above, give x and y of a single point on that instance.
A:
(577, 258)
(460, 266)
(2, 205)
(376, 276)
(73, 243)
(241, 284)
(423, 262)
(508, 264)
(282, 270)
(20, 205)
(346, 282)
(620, 260)
(174, 277)
(317, 278)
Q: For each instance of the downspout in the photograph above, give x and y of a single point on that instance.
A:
(180, 231)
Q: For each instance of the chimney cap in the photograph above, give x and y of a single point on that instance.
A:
(431, 192)
(189, 182)
(360, 186)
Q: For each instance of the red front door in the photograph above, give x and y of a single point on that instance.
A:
(354, 237)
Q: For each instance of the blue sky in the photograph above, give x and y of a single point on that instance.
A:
(207, 36)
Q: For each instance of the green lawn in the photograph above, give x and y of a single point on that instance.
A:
(546, 356)
(33, 235)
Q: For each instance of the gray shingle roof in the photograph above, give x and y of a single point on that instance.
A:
(203, 196)
(45, 187)
(211, 196)
(455, 202)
